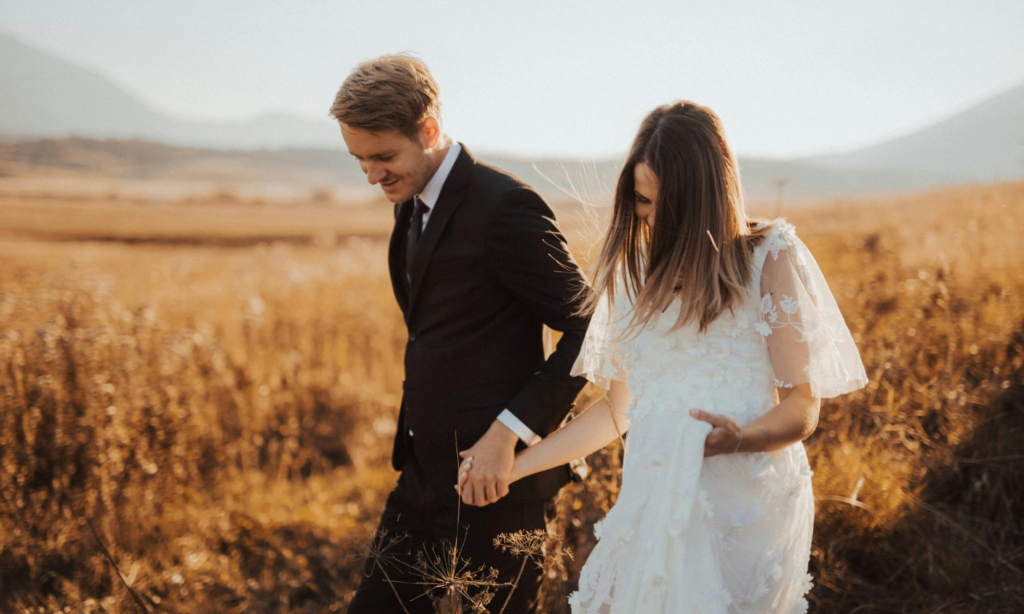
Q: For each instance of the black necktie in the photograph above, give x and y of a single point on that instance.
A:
(415, 230)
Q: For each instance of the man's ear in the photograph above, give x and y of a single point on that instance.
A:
(430, 130)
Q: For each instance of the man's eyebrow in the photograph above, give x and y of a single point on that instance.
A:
(376, 156)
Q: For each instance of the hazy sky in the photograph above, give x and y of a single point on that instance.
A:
(553, 77)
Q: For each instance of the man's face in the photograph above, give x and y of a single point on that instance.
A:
(402, 166)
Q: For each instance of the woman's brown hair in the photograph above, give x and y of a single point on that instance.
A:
(701, 244)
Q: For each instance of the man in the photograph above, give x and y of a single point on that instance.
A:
(478, 265)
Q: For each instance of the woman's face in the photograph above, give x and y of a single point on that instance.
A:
(645, 185)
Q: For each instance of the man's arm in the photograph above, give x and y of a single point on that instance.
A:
(528, 255)
(523, 432)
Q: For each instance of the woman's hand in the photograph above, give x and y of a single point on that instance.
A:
(724, 438)
(464, 469)
(467, 466)
(492, 457)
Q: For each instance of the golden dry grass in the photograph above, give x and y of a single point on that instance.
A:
(222, 410)
(211, 223)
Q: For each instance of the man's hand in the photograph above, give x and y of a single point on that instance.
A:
(486, 469)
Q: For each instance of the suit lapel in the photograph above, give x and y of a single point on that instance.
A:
(396, 255)
(449, 200)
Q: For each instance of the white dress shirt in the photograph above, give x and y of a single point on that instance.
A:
(429, 197)
(432, 190)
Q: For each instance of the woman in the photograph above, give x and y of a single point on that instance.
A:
(716, 337)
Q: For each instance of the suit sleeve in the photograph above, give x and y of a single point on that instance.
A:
(529, 257)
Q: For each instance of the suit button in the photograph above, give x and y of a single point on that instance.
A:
(412, 337)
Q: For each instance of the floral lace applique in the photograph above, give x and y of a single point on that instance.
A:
(781, 384)
(770, 321)
(740, 377)
(739, 324)
(758, 463)
(746, 515)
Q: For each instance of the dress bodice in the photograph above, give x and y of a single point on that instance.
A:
(721, 370)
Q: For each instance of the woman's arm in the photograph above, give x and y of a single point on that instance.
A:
(599, 425)
(792, 420)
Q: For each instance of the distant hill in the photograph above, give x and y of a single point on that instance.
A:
(42, 96)
(802, 181)
(985, 142)
(45, 96)
(558, 180)
(186, 170)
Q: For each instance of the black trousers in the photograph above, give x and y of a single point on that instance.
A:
(425, 522)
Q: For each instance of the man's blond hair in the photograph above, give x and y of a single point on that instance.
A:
(392, 92)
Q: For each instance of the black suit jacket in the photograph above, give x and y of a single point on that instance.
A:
(491, 268)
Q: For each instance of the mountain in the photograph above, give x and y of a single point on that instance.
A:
(304, 169)
(42, 95)
(985, 142)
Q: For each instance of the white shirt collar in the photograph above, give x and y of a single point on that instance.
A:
(432, 190)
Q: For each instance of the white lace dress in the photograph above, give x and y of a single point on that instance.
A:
(731, 533)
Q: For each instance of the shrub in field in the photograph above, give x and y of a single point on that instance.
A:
(145, 429)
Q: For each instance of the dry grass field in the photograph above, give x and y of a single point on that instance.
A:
(212, 384)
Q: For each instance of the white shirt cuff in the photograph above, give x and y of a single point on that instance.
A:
(516, 426)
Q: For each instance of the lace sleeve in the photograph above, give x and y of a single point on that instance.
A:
(602, 357)
(808, 339)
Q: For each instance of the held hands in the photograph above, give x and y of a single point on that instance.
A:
(724, 438)
(486, 469)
